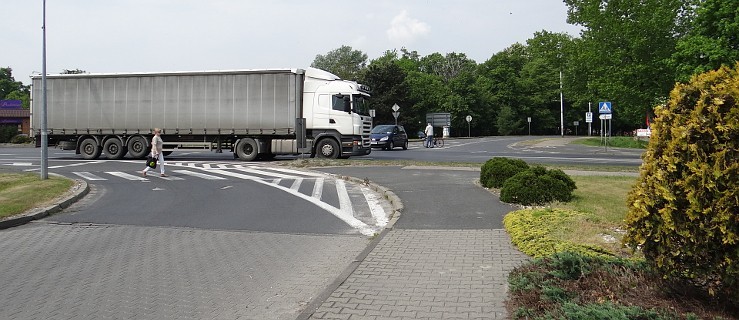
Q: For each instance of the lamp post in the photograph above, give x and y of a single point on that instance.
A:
(561, 107)
(44, 138)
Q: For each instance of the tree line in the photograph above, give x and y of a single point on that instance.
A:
(629, 52)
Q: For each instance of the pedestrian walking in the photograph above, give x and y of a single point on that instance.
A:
(429, 132)
(156, 152)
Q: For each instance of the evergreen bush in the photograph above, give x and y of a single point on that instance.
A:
(684, 210)
(537, 186)
(7, 133)
(497, 170)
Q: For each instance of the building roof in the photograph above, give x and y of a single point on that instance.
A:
(15, 113)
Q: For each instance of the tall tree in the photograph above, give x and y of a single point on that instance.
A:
(387, 80)
(712, 39)
(625, 49)
(344, 62)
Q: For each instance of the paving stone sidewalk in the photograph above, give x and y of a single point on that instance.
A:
(428, 274)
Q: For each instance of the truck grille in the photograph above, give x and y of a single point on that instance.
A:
(366, 128)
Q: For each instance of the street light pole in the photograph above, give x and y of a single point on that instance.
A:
(44, 138)
(561, 107)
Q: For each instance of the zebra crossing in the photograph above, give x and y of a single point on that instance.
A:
(356, 204)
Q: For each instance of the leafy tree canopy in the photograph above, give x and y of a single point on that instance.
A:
(344, 62)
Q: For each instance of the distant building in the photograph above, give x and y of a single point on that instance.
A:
(12, 113)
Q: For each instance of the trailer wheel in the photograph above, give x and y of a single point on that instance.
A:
(328, 149)
(114, 149)
(246, 149)
(137, 147)
(90, 149)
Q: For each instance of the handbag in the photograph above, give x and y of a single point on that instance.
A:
(151, 162)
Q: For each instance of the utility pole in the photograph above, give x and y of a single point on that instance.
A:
(44, 134)
(561, 107)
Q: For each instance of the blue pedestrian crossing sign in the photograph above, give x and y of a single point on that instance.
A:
(604, 107)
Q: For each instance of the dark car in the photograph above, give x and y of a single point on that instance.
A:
(389, 136)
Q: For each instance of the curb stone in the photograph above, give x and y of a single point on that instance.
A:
(75, 193)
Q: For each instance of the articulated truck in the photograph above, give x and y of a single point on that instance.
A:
(256, 114)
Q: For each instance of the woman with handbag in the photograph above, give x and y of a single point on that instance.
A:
(156, 153)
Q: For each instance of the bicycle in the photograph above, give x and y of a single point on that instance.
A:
(438, 142)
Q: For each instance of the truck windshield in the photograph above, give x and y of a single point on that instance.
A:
(361, 104)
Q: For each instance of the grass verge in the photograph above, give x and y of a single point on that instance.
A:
(20, 192)
(615, 142)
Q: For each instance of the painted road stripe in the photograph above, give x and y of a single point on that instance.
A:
(126, 176)
(89, 176)
(375, 207)
(296, 184)
(318, 188)
(304, 173)
(199, 175)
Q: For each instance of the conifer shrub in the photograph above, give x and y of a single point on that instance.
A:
(497, 170)
(683, 213)
(537, 186)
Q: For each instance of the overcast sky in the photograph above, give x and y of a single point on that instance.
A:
(188, 35)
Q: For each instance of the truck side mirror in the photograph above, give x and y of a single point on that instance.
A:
(347, 105)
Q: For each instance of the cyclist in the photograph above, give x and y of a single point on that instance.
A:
(429, 132)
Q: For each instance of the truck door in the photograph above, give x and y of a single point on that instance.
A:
(331, 110)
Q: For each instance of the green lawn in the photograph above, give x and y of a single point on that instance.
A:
(20, 192)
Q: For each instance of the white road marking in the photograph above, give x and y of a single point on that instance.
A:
(345, 203)
(344, 215)
(375, 207)
(267, 173)
(199, 175)
(126, 176)
(318, 188)
(296, 184)
(89, 176)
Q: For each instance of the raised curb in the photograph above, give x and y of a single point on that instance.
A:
(75, 193)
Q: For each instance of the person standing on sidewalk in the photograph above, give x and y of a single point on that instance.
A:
(429, 132)
(156, 152)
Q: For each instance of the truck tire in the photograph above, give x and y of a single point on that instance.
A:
(328, 148)
(90, 149)
(114, 149)
(246, 149)
(137, 147)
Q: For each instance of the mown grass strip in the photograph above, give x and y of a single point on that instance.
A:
(20, 192)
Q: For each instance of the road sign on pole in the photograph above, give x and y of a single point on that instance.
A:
(588, 117)
(604, 107)
(469, 119)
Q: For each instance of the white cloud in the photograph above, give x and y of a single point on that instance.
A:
(405, 29)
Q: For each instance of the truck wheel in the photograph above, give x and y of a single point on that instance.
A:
(328, 149)
(246, 149)
(90, 149)
(114, 149)
(137, 147)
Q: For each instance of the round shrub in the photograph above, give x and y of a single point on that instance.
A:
(535, 186)
(497, 170)
(21, 138)
(683, 213)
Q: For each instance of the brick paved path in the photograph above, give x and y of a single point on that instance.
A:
(56, 271)
(428, 274)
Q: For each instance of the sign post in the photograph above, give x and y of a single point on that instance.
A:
(396, 113)
(605, 111)
(529, 121)
(469, 119)
(589, 119)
